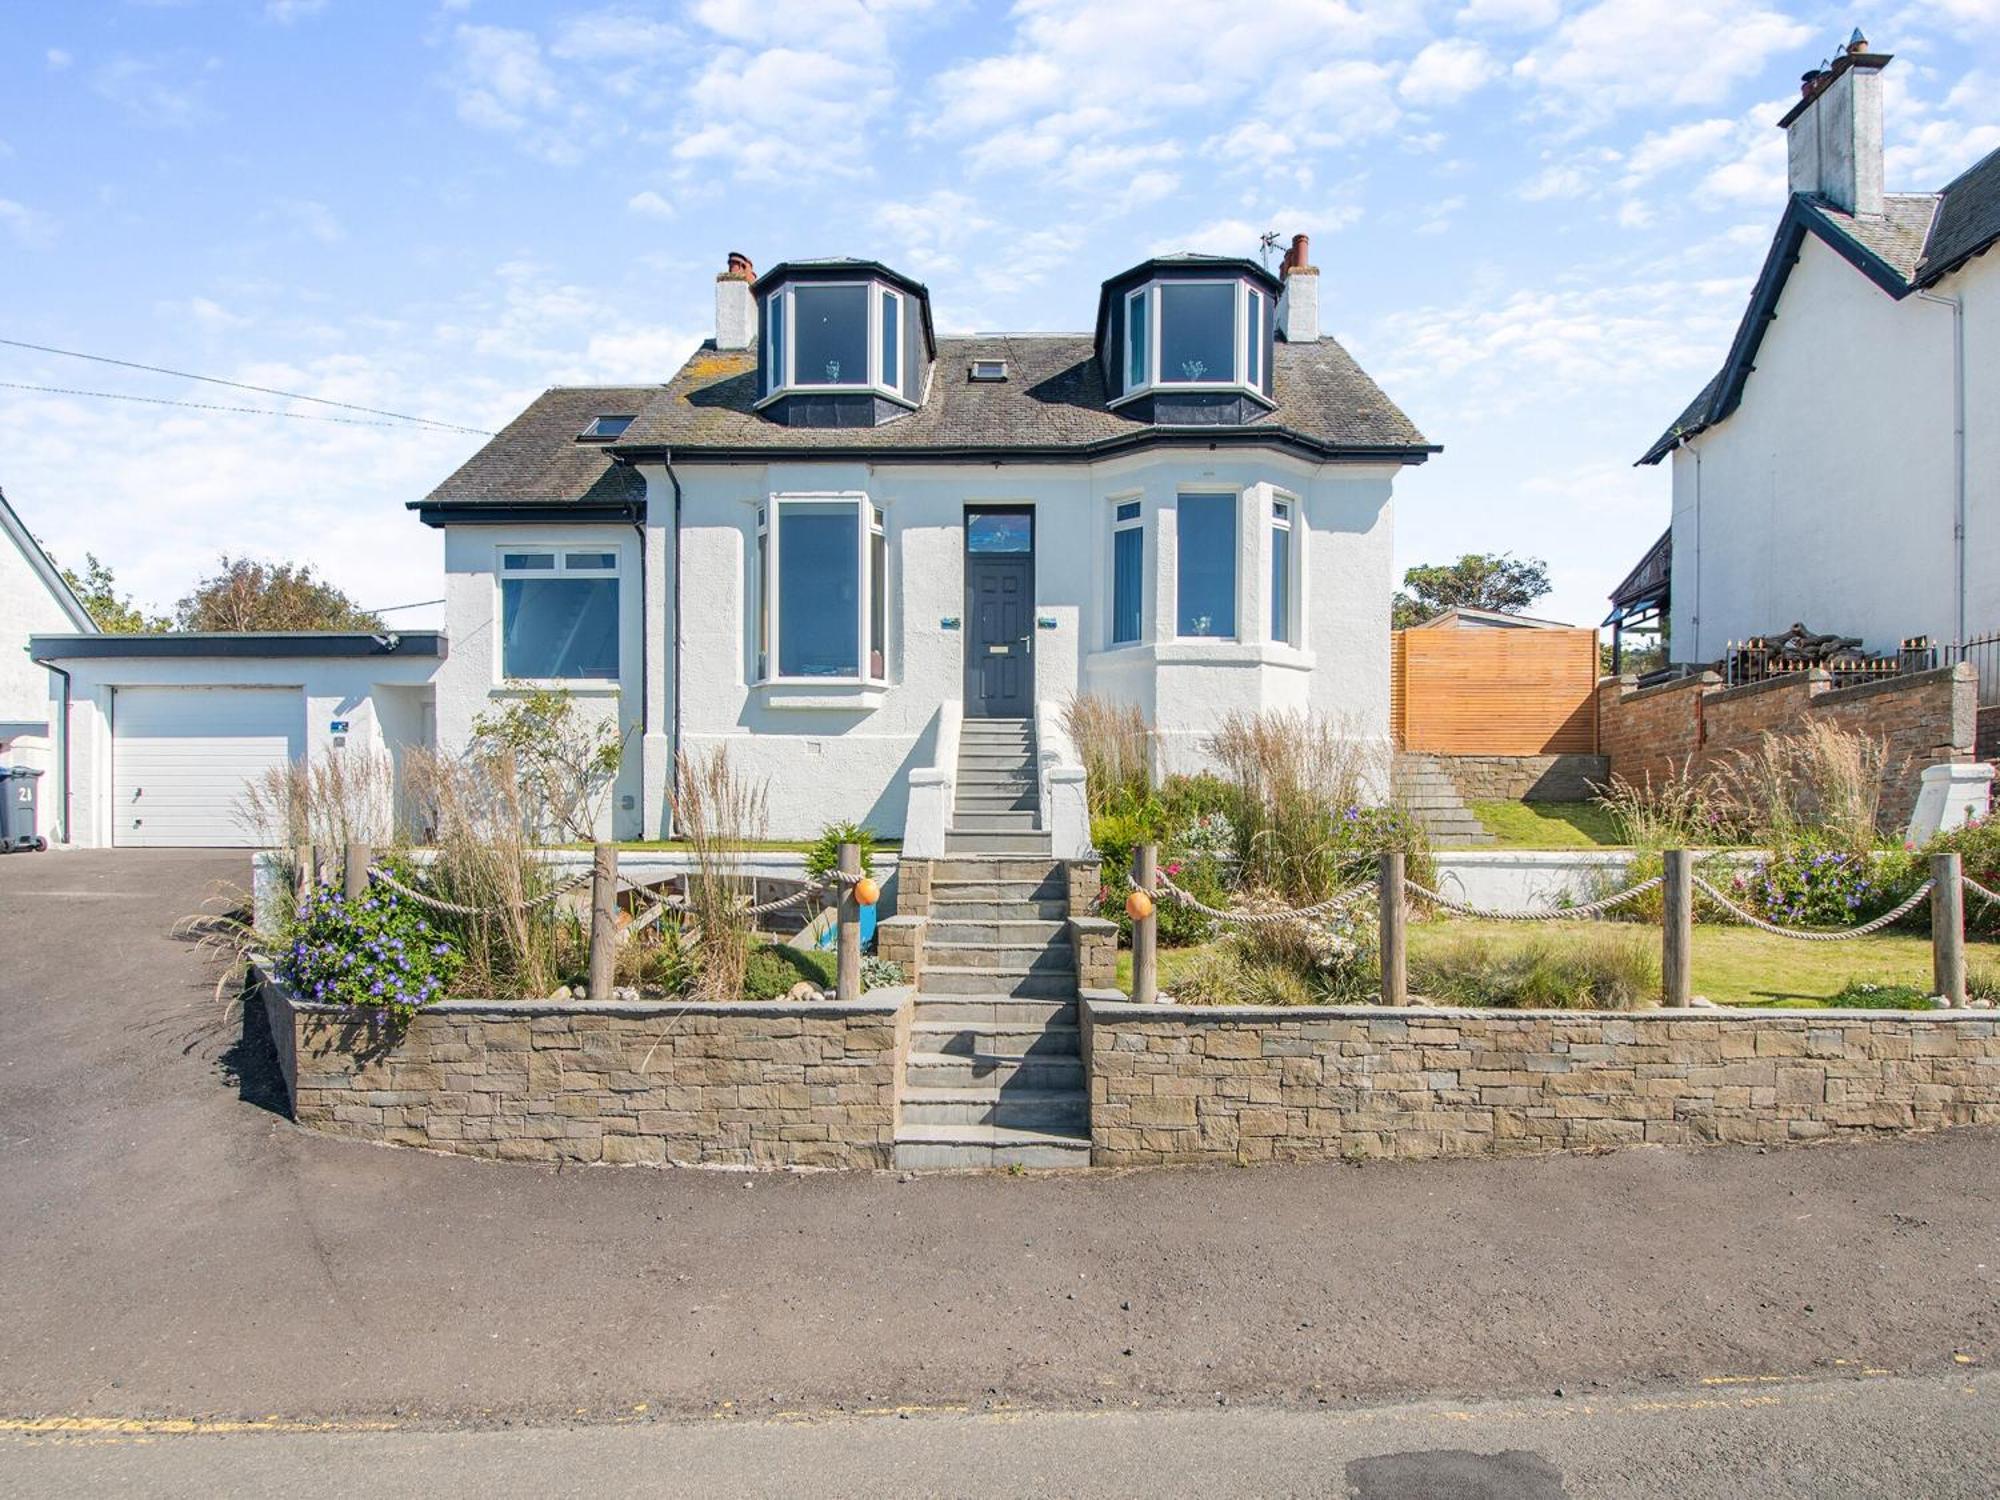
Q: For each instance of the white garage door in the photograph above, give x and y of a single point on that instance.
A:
(182, 756)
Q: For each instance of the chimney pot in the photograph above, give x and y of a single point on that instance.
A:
(739, 267)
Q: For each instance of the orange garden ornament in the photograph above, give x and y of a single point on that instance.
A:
(866, 891)
(1138, 906)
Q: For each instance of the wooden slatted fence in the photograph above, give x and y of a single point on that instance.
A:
(1494, 691)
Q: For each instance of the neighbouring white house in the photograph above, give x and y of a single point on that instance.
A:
(1842, 469)
(873, 562)
(34, 599)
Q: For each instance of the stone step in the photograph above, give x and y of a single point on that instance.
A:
(994, 979)
(1009, 958)
(998, 761)
(987, 911)
(1015, 1039)
(971, 1147)
(960, 869)
(986, 841)
(957, 1070)
(981, 800)
(1012, 1011)
(1021, 1109)
(969, 820)
(949, 932)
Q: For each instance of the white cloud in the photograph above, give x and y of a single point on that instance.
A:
(1759, 174)
(27, 226)
(167, 93)
(1446, 71)
(1625, 54)
(57, 59)
(1682, 145)
(650, 205)
(311, 218)
(1511, 15)
(286, 11)
(1556, 180)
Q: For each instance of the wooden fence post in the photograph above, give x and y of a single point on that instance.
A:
(1146, 929)
(847, 975)
(603, 918)
(1947, 929)
(1677, 932)
(354, 875)
(1395, 909)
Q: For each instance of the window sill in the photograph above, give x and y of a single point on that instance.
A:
(840, 693)
(1205, 651)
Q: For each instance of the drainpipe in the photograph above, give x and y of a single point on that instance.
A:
(1957, 306)
(674, 664)
(62, 740)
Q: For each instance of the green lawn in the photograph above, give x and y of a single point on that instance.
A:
(1547, 825)
(1732, 965)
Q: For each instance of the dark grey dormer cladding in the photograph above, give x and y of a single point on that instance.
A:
(1187, 340)
(841, 343)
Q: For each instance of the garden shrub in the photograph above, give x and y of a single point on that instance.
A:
(378, 955)
(1977, 846)
(1811, 882)
(1193, 855)
(1599, 970)
(1861, 994)
(881, 974)
(1330, 960)
(823, 858)
(773, 968)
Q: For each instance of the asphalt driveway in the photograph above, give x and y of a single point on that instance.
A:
(171, 1244)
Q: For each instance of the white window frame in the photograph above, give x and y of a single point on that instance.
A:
(784, 381)
(1291, 522)
(1152, 382)
(1235, 496)
(561, 553)
(1120, 525)
(769, 621)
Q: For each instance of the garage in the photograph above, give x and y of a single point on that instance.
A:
(182, 756)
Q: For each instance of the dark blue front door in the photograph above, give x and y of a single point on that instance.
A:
(999, 614)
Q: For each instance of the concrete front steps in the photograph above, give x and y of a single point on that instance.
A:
(996, 807)
(1424, 786)
(994, 1076)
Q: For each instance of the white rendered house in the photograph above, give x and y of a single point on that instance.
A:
(833, 536)
(34, 599)
(832, 540)
(1842, 470)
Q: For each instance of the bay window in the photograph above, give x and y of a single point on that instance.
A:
(1196, 335)
(834, 336)
(1205, 581)
(559, 614)
(822, 587)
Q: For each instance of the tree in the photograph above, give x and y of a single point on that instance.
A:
(249, 595)
(1478, 580)
(98, 592)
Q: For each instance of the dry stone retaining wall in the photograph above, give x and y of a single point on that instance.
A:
(1186, 1085)
(1526, 778)
(756, 1084)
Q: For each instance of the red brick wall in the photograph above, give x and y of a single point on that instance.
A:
(1924, 719)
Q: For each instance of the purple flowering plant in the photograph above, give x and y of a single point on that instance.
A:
(379, 956)
(1814, 883)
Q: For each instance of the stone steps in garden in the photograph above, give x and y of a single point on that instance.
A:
(1427, 790)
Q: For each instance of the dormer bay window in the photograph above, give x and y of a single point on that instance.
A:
(1187, 338)
(1196, 335)
(829, 335)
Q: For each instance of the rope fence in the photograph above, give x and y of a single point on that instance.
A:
(1944, 891)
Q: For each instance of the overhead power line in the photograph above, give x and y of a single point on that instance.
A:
(261, 390)
(252, 411)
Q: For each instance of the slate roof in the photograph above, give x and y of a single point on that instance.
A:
(1053, 402)
(1917, 239)
(536, 460)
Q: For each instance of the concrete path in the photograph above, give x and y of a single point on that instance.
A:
(1815, 1440)
(171, 1246)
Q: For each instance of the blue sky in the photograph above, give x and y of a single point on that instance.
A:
(1535, 221)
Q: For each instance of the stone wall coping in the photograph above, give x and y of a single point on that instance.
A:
(905, 919)
(884, 1002)
(1813, 677)
(1859, 691)
(1092, 924)
(1100, 1006)
(1637, 694)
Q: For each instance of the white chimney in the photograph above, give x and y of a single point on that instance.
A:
(1834, 133)
(735, 308)
(1298, 303)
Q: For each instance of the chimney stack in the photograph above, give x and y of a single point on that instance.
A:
(1834, 133)
(735, 308)
(1298, 303)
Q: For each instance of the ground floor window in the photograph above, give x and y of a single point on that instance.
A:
(1281, 571)
(824, 589)
(559, 614)
(1205, 537)
(1128, 578)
